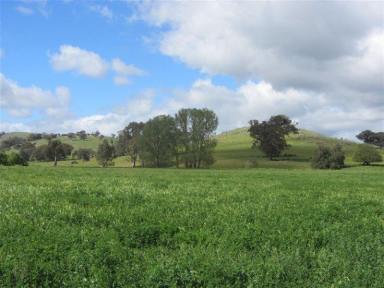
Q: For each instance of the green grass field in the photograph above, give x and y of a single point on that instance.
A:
(116, 227)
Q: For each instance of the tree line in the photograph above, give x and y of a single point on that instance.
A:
(185, 139)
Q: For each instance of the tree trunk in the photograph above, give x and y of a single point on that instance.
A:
(55, 161)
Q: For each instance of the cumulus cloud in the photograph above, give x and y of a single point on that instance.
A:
(333, 69)
(21, 101)
(91, 64)
(71, 58)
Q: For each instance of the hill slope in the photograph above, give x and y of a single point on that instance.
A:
(233, 150)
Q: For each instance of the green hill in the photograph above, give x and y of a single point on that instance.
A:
(233, 150)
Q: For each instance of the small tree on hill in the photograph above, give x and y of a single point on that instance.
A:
(105, 153)
(270, 135)
(367, 154)
(56, 150)
(328, 158)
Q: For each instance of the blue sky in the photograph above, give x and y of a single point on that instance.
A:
(71, 65)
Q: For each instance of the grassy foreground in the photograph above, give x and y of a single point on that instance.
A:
(116, 227)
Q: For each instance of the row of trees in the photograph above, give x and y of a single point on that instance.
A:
(185, 139)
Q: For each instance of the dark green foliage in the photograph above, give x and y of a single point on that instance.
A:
(56, 151)
(26, 151)
(195, 132)
(40, 153)
(374, 138)
(82, 134)
(3, 158)
(15, 159)
(159, 141)
(326, 157)
(34, 136)
(128, 141)
(367, 154)
(105, 153)
(12, 142)
(180, 228)
(269, 135)
(84, 154)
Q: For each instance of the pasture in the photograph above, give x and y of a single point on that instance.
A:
(119, 227)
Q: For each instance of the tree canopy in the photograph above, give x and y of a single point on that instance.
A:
(269, 135)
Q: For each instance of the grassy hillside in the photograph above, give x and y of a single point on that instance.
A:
(233, 150)
(79, 227)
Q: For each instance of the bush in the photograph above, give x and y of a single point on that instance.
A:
(328, 158)
(84, 154)
(367, 154)
(250, 163)
(3, 159)
(15, 159)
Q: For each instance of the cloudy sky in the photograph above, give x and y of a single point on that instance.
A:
(72, 65)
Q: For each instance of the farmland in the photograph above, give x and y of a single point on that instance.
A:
(117, 227)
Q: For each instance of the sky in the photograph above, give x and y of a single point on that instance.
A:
(97, 65)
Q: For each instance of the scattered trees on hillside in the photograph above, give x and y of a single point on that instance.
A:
(12, 142)
(326, 157)
(374, 138)
(55, 150)
(105, 153)
(366, 154)
(26, 150)
(270, 135)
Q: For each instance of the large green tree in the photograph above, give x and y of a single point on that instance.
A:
(195, 131)
(159, 140)
(55, 150)
(370, 137)
(269, 135)
(105, 153)
(128, 141)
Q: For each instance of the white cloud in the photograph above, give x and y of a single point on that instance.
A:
(103, 11)
(88, 63)
(20, 101)
(123, 71)
(71, 58)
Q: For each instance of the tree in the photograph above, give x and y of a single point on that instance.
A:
(3, 159)
(40, 153)
(82, 134)
(105, 153)
(71, 135)
(84, 154)
(195, 142)
(13, 141)
(374, 138)
(34, 136)
(367, 154)
(26, 150)
(15, 159)
(159, 140)
(56, 150)
(270, 135)
(128, 141)
(326, 157)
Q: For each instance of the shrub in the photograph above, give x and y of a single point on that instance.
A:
(366, 155)
(3, 159)
(328, 158)
(15, 159)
